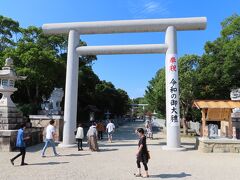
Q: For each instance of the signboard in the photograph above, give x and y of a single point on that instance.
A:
(172, 90)
(218, 114)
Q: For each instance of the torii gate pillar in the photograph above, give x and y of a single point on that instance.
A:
(170, 26)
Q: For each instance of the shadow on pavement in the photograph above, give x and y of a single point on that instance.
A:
(35, 148)
(127, 132)
(75, 155)
(132, 144)
(180, 175)
(106, 150)
(48, 163)
(188, 146)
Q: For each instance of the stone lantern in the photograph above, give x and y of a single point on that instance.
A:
(7, 81)
(92, 116)
(107, 114)
(9, 115)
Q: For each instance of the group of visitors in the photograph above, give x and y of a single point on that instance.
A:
(142, 155)
(95, 133)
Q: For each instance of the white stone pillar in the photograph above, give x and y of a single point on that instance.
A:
(172, 91)
(71, 90)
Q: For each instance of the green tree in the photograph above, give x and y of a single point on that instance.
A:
(37, 56)
(188, 72)
(122, 104)
(9, 30)
(156, 93)
(211, 76)
(42, 58)
(219, 69)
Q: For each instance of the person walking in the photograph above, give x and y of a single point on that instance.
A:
(110, 130)
(50, 135)
(80, 136)
(100, 129)
(148, 127)
(20, 144)
(142, 153)
(92, 137)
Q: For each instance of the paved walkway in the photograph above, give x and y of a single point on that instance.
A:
(116, 161)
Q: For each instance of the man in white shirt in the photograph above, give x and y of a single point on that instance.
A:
(50, 133)
(110, 130)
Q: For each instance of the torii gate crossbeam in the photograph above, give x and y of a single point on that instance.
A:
(170, 26)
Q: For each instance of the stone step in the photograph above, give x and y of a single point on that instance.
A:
(15, 114)
(8, 109)
(9, 126)
(11, 120)
(8, 133)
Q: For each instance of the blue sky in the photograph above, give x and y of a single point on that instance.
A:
(129, 72)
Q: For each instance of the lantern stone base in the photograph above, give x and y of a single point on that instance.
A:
(8, 138)
(10, 118)
(220, 145)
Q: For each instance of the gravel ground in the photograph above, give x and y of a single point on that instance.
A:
(116, 161)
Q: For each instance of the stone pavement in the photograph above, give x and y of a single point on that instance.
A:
(116, 161)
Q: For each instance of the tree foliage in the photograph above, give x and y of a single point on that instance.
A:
(210, 76)
(42, 58)
(156, 93)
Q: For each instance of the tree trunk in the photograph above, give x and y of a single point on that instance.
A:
(37, 91)
(184, 121)
(29, 94)
(185, 126)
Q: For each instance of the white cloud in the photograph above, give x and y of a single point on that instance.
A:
(148, 8)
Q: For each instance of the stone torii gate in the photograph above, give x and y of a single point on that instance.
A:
(137, 105)
(170, 26)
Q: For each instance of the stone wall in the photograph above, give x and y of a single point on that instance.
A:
(43, 121)
(8, 138)
(218, 145)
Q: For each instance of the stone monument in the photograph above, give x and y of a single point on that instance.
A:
(235, 94)
(51, 109)
(52, 105)
(235, 115)
(212, 131)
